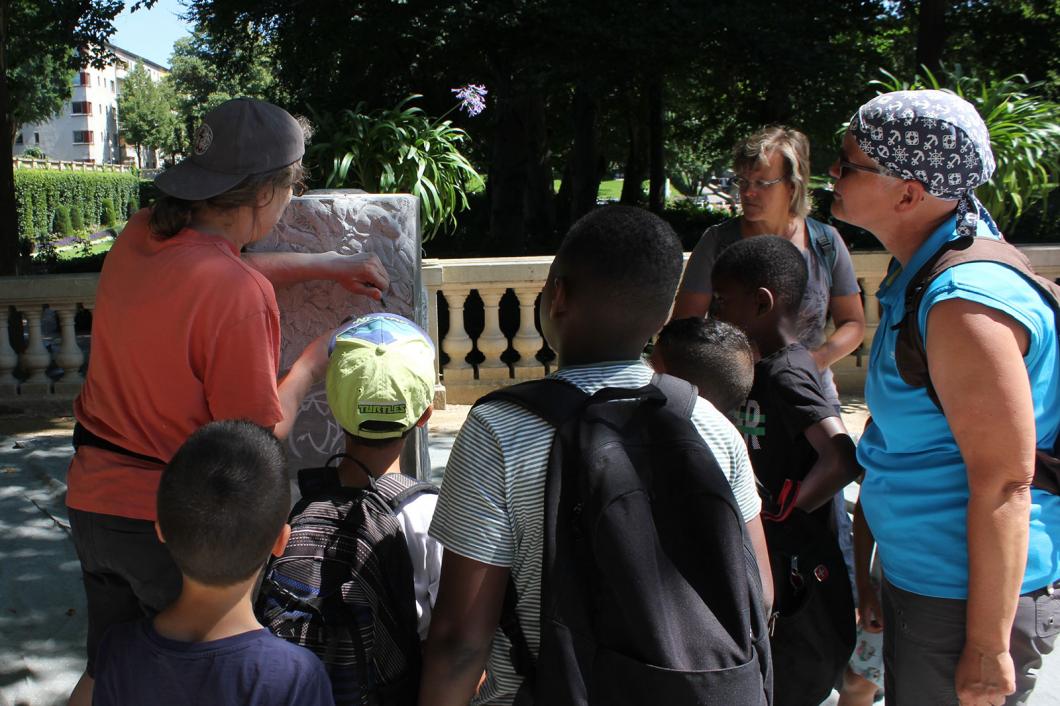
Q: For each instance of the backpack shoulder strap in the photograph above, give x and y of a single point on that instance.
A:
(396, 488)
(552, 399)
(822, 240)
(910, 353)
(681, 395)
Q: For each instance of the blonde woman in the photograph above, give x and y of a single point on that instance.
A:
(772, 174)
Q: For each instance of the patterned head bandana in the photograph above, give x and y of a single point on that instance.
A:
(933, 137)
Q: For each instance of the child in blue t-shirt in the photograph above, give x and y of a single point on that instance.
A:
(222, 510)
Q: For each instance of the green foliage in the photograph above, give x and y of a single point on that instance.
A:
(146, 116)
(110, 214)
(34, 152)
(61, 224)
(689, 219)
(77, 218)
(132, 205)
(399, 150)
(1024, 136)
(204, 74)
(40, 192)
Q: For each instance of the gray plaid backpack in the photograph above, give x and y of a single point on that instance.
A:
(344, 587)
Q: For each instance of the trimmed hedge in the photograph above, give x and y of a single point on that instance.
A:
(39, 191)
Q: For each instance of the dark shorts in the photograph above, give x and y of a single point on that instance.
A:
(128, 573)
(924, 636)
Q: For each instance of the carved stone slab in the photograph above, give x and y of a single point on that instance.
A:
(347, 223)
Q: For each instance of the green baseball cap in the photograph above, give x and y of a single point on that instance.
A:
(380, 377)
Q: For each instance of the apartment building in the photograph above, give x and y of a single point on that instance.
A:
(86, 129)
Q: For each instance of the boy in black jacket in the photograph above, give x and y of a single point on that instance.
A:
(802, 456)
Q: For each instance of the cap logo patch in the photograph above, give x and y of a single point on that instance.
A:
(203, 138)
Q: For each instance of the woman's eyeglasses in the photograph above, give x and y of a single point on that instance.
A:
(759, 184)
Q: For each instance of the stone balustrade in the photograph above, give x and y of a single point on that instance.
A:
(50, 360)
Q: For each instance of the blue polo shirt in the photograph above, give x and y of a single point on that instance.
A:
(915, 493)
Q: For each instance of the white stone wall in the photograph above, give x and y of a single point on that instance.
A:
(101, 90)
(348, 223)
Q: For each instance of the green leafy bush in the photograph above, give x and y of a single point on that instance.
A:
(61, 223)
(110, 215)
(77, 220)
(38, 192)
(399, 150)
(132, 206)
(1024, 135)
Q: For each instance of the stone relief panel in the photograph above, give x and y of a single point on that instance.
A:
(348, 223)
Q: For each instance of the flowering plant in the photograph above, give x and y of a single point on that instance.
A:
(401, 150)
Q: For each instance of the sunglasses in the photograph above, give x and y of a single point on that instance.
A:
(844, 165)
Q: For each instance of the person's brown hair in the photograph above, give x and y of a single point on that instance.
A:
(170, 215)
(794, 146)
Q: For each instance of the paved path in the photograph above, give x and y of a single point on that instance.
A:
(42, 621)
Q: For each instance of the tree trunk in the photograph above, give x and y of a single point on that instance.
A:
(636, 168)
(657, 169)
(508, 175)
(9, 235)
(931, 34)
(585, 175)
(540, 217)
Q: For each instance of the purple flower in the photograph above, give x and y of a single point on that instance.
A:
(472, 98)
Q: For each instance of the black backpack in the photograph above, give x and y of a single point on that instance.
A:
(650, 589)
(911, 356)
(344, 587)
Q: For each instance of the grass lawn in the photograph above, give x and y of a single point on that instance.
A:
(72, 252)
(610, 190)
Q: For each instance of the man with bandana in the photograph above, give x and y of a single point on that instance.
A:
(969, 550)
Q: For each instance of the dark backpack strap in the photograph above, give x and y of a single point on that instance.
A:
(681, 395)
(396, 488)
(552, 399)
(522, 658)
(910, 353)
(83, 437)
(556, 401)
(822, 240)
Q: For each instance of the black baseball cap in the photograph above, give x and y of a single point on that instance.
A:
(237, 139)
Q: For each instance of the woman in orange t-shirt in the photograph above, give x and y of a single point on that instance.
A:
(186, 331)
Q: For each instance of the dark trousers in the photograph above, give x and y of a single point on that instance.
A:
(128, 574)
(923, 639)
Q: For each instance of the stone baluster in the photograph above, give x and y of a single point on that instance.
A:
(35, 358)
(527, 341)
(70, 356)
(492, 343)
(457, 343)
(869, 285)
(432, 331)
(8, 357)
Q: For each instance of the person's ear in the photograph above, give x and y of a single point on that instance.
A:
(158, 533)
(911, 193)
(560, 301)
(281, 541)
(265, 195)
(425, 416)
(764, 301)
(656, 360)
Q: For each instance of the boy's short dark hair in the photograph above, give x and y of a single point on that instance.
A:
(629, 258)
(713, 355)
(223, 500)
(766, 261)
